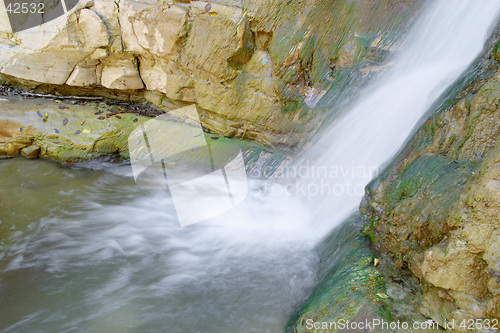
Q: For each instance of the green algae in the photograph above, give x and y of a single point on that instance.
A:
(439, 177)
(349, 286)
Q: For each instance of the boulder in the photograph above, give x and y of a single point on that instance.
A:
(121, 72)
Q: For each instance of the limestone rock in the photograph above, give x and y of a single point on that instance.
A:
(4, 19)
(217, 43)
(152, 28)
(158, 29)
(121, 73)
(67, 135)
(167, 78)
(108, 12)
(93, 32)
(16, 144)
(83, 76)
(87, 73)
(41, 60)
(9, 129)
(455, 268)
(49, 66)
(238, 60)
(30, 152)
(129, 9)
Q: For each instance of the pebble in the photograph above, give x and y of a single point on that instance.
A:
(78, 132)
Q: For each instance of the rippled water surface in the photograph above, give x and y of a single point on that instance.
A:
(85, 249)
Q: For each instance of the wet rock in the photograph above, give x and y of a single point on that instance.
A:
(350, 288)
(14, 146)
(62, 137)
(84, 136)
(436, 209)
(32, 151)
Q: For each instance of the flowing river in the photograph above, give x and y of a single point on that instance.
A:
(103, 255)
(91, 251)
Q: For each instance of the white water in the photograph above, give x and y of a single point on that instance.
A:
(106, 256)
(450, 35)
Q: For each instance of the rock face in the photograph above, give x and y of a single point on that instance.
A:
(349, 287)
(63, 132)
(69, 131)
(354, 286)
(255, 68)
(436, 209)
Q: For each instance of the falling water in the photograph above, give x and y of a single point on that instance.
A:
(450, 35)
(103, 255)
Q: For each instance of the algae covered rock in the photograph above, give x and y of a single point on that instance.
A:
(69, 132)
(63, 132)
(435, 209)
(31, 151)
(347, 288)
(357, 292)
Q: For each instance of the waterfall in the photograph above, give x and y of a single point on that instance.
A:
(106, 255)
(440, 46)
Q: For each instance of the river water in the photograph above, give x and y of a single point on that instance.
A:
(91, 251)
(101, 254)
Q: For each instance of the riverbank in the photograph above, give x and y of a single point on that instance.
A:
(71, 130)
